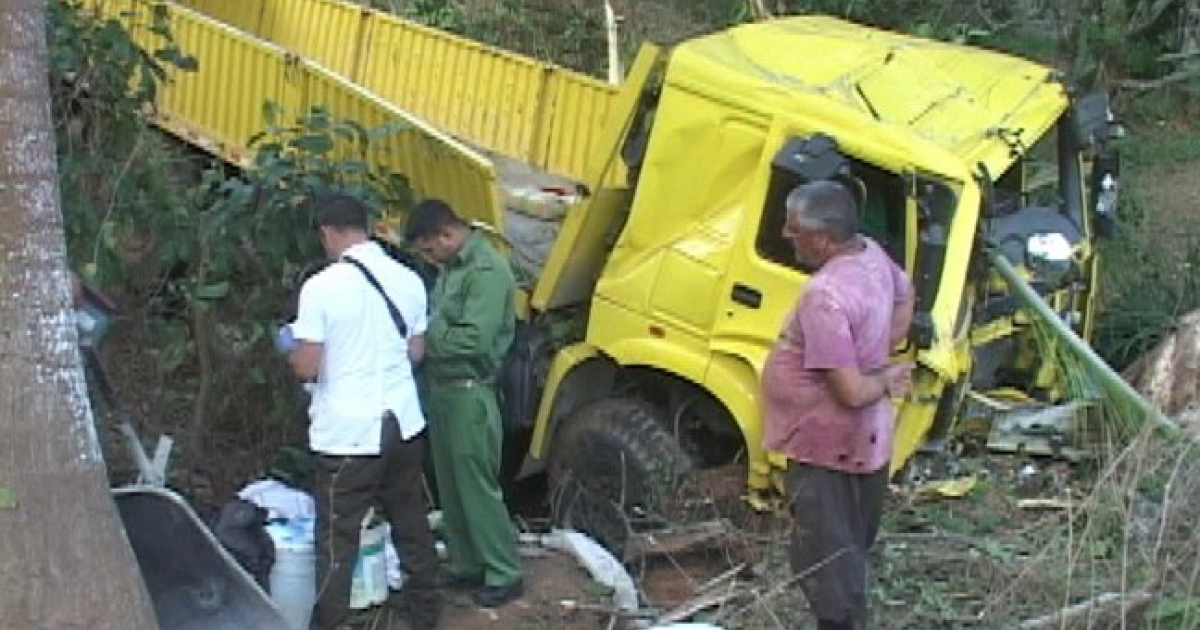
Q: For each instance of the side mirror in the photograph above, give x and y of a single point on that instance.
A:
(1094, 122)
(1095, 129)
(1105, 186)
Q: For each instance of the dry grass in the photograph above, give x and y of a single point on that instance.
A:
(983, 562)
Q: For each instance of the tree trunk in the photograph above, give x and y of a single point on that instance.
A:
(64, 559)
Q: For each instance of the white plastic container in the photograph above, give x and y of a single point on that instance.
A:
(369, 586)
(294, 582)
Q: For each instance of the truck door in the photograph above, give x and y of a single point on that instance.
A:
(763, 280)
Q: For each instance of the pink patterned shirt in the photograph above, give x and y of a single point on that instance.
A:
(843, 320)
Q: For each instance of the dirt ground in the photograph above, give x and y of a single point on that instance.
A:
(560, 595)
(557, 596)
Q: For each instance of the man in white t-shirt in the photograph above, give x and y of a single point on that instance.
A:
(367, 431)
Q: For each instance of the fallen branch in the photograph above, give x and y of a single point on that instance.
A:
(699, 604)
(1179, 56)
(727, 576)
(928, 537)
(1099, 604)
(611, 611)
(1045, 504)
(788, 583)
(674, 540)
(1179, 76)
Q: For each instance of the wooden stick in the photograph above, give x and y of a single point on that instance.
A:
(674, 540)
(720, 579)
(1100, 603)
(640, 613)
(615, 72)
(1045, 504)
(698, 604)
(761, 11)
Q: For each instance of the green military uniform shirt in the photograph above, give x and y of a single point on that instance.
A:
(474, 318)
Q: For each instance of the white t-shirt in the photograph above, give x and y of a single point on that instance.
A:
(365, 368)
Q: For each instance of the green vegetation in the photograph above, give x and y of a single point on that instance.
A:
(205, 260)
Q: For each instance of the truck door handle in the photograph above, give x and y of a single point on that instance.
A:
(748, 296)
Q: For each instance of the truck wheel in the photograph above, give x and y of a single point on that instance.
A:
(612, 470)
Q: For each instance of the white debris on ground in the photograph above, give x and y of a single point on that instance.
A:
(599, 563)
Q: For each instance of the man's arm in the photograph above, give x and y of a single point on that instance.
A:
(418, 320)
(416, 348)
(469, 333)
(902, 309)
(306, 360)
(309, 331)
(902, 316)
(830, 348)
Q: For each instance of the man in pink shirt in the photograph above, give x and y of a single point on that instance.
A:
(827, 390)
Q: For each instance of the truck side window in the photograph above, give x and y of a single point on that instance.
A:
(881, 200)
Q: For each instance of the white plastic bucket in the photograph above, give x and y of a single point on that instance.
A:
(294, 582)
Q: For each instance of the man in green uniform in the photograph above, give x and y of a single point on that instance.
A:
(470, 330)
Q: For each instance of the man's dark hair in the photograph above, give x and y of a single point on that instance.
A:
(429, 218)
(342, 212)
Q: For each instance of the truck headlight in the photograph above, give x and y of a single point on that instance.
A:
(1048, 256)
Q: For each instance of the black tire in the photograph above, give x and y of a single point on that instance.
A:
(613, 469)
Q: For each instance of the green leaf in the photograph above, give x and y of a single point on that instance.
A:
(1173, 607)
(352, 167)
(318, 119)
(597, 589)
(317, 144)
(383, 131)
(360, 132)
(272, 112)
(257, 376)
(8, 499)
(213, 291)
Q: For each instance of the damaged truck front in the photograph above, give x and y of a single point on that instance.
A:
(682, 278)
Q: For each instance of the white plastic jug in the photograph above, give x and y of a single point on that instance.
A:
(293, 582)
(370, 575)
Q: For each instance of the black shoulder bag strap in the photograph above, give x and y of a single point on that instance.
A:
(396, 316)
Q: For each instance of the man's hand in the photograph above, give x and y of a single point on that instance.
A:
(897, 379)
(854, 389)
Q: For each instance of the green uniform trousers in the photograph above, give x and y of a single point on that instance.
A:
(465, 433)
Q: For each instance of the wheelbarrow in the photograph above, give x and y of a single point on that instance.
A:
(194, 583)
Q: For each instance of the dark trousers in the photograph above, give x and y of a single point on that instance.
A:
(345, 488)
(836, 519)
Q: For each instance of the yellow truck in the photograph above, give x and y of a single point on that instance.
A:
(645, 218)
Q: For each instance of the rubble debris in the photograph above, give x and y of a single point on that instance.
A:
(1044, 430)
(948, 488)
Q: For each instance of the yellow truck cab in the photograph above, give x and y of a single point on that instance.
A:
(943, 145)
(645, 219)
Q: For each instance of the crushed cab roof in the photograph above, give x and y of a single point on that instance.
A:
(952, 96)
